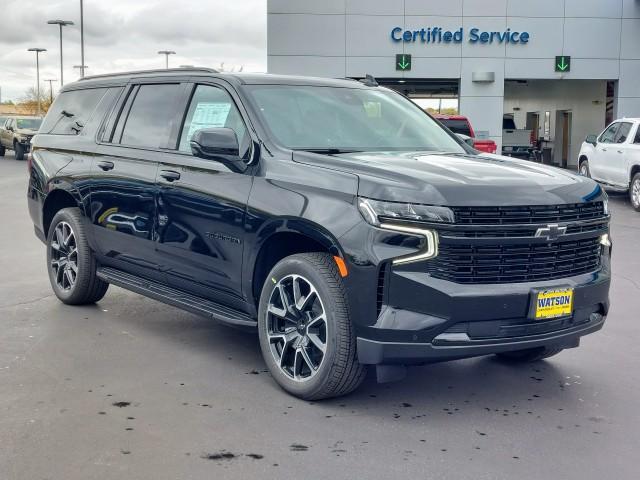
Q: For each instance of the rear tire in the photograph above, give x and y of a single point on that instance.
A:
(584, 169)
(634, 192)
(305, 329)
(2, 151)
(529, 355)
(70, 262)
(19, 151)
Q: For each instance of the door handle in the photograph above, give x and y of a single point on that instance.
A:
(619, 151)
(170, 175)
(106, 166)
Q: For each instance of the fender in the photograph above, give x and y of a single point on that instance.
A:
(284, 225)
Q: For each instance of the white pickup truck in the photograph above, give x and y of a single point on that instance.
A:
(613, 158)
(515, 142)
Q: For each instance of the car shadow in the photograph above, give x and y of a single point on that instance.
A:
(448, 389)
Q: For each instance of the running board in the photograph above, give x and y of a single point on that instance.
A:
(177, 298)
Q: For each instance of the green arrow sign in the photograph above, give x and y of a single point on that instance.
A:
(403, 62)
(563, 64)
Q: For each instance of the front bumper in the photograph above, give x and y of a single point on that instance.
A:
(441, 320)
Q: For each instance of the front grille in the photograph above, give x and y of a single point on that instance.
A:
(528, 214)
(503, 263)
(498, 245)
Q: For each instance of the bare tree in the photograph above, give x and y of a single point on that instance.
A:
(29, 101)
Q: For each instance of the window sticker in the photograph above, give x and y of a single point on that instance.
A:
(209, 115)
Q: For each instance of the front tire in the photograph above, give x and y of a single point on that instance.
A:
(529, 355)
(584, 169)
(634, 192)
(305, 329)
(70, 261)
(19, 151)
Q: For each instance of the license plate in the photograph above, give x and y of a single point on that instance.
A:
(553, 303)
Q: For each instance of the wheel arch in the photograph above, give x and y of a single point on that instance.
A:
(56, 200)
(581, 159)
(634, 170)
(282, 238)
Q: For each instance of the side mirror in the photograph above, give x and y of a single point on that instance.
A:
(466, 139)
(592, 139)
(220, 145)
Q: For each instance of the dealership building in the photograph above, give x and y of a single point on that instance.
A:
(562, 68)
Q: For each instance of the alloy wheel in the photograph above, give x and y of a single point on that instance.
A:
(297, 327)
(584, 170)
(635, 192)
(64, 256)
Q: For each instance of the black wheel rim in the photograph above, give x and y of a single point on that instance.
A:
(64, 256)
(297, 327)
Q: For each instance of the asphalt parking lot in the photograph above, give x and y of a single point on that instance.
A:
(131, 388)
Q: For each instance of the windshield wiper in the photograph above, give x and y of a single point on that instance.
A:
(329, 151)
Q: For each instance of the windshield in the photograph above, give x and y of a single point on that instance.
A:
(347, 119)
(29, 123)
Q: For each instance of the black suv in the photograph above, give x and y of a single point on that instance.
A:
(334, 216)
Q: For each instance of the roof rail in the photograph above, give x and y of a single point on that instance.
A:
(141, 72)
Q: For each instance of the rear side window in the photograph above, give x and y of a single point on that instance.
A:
(457, 126)
(152, 116)
(637, 139)
(71, 111)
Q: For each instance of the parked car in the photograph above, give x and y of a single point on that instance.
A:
(516, 142)
(460, 124)
(613, 158)
(334, 217)
(17, 134)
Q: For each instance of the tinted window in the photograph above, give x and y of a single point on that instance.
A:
(213, 107)
(623, 132)
(71, 111)
(457, 126)
(151, 117)
(637, 139)
(508, 123)
(609, 134)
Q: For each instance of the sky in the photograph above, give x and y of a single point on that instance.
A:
(122, 35)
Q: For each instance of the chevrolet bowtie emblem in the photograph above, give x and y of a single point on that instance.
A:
(551, 232)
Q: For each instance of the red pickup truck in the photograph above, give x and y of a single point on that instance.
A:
(460, 124)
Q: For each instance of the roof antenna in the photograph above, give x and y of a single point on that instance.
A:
(369, 81)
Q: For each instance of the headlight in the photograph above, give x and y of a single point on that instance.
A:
(386, 214)
(377, 212)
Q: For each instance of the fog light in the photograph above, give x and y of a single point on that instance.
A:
(605, 240)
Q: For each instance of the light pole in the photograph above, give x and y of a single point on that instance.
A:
(166, 54)
(50, 80)
(82, 65)
(61, 23)
(82, 68)
(37, 50)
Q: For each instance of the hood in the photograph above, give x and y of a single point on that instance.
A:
(26, 131)
(457, 179)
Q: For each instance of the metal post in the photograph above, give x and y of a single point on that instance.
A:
(61, 23)
(81, 40)
(38, 50)
(38, 80)
(166, 54)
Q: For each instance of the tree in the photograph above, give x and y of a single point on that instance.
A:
(29, 102)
